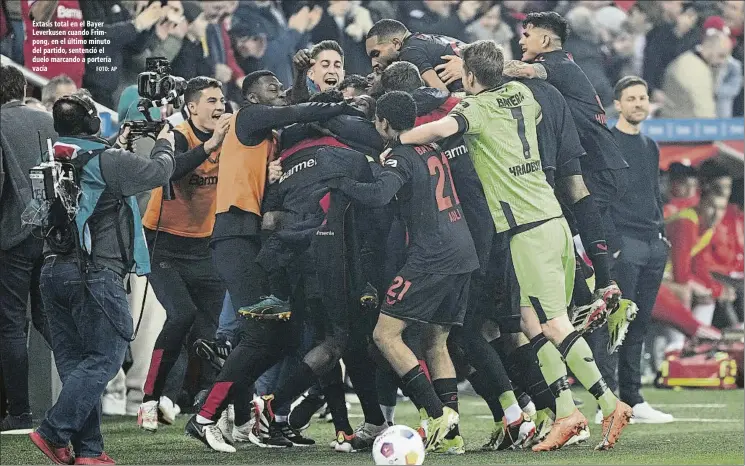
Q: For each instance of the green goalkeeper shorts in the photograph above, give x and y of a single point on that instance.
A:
(544, 262)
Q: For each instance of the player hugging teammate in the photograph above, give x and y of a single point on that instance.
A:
(448, 210)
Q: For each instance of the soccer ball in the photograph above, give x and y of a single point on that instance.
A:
(398, 445)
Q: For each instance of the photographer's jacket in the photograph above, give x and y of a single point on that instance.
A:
(191, 212)
(108, 219)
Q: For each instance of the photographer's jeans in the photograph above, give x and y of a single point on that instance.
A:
(90, 325)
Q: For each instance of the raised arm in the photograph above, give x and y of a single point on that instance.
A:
(431, 132)
(518, 69)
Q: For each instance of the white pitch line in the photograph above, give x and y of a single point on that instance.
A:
(677, 419)
(689, 405)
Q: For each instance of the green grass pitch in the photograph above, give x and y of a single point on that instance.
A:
(709, 430)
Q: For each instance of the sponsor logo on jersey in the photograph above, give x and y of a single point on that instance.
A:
(298, 167)
(512, 101)
(456, 151)
(526, 168)
(196, 180)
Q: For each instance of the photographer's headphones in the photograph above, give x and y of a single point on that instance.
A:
(91, 120)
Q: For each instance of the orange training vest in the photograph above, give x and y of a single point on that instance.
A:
(191, 213)
(243, 172)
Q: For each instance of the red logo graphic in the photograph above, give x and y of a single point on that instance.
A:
(386, 449)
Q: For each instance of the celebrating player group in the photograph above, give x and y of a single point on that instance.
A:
(422, 226)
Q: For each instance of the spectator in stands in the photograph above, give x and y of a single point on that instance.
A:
(733, 12)
(445, 17)
(219, 16)
(166, 40)
(673, 34)
(584, 43)
(104, 70)
(11, 42)
(689, 82)
(491, 27)
(728, 77)
(250, 44)
(193, 58)
(20, 244)
(34, 103)
(347, 23)
(286, 36)
(51, 11)
(55, 88)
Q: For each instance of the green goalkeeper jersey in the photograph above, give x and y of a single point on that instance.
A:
(500, 131)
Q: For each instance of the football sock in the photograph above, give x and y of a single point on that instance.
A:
(419, 388)
(389, 413)
(361, 372)
(386, 384)
(581, 293)
(487, 391)
(580, 360)
(555, 373)
(301, 378)
(243, 406)
(334, 395)
(590, 226)
(524, 370)
(447, 392)
(511, 407)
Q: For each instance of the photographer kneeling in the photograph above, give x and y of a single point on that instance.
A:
(82, 278)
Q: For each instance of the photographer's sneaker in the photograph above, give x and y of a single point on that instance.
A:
(226, 423)
(147, 416)
(269, 308)
(58, 455)
(209, 434)
(167, 411)
(619, 320)
(17, 425)
(645, 414)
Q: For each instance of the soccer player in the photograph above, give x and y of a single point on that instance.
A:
(499, 123)
(603, 168)
(184, 278)
(432, 286)
(353, 85)
(490, 378)
(247, 149)
(389, 41)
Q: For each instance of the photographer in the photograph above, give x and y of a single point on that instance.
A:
(82, 279)
(184, 278)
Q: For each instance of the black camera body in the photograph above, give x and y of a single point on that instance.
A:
(154, 85)
(157, 83)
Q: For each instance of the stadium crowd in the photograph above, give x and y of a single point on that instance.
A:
(392, 196)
